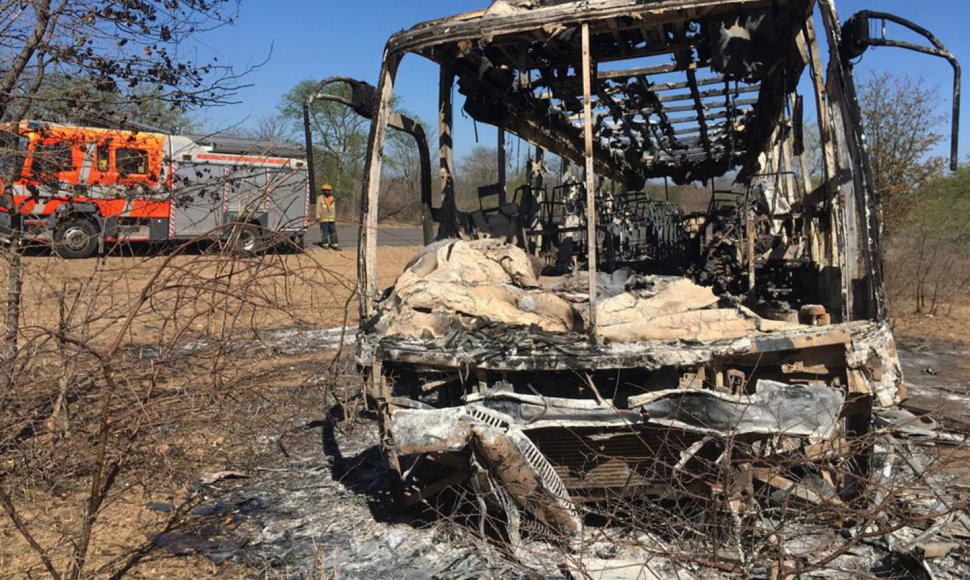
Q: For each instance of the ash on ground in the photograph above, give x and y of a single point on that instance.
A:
(326, 510)
(326, 513)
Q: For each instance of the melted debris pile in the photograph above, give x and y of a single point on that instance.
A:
(461, 284)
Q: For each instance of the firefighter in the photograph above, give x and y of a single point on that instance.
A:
(327, 216)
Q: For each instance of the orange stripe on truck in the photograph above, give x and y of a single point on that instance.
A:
(241, 159)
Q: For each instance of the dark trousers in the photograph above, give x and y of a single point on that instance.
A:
(328, 234)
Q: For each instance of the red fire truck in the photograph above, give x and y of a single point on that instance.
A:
(80, 187)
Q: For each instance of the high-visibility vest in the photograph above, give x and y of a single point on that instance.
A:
(326, 210)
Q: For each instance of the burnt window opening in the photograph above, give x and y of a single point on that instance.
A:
(131, 162)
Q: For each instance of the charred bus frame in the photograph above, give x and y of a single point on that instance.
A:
(545, 73)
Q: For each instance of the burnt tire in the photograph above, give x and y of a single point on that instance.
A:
(76, 239)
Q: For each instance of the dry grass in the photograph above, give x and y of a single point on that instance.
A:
(314, 286)
(951, 326)
(168, 417)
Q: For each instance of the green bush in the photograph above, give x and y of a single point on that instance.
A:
(928, 255)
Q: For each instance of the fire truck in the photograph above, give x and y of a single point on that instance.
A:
(79, 188)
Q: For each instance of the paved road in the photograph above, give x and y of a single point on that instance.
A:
(388, 236)
(938, 380)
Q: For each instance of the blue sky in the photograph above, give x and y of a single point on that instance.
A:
(320, 38)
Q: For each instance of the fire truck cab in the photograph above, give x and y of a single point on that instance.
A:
(79, 187)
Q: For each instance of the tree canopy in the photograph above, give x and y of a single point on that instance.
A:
(902, 129)
(340, 137)
(110, 63)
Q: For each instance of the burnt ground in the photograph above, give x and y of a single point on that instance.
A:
(323, 508)
(312, 499)
(324, 512)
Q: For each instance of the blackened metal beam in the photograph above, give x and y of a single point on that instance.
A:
(446, 159)
(590, 182)
(709, 94)
(699, 105)
(683, 85)
(636, 72)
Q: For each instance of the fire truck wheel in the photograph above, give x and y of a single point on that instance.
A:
(76, 238)
(245, 238)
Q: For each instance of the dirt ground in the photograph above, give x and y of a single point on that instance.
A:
(164, 490)
(313, 288)
(950, 325)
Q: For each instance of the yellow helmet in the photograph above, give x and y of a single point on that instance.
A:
(326, 187)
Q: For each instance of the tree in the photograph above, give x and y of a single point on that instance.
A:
(480, 168)
(401, 198)
(76, 101)
(340, 139)
(340, 144)
(901, 125)
(274, 127)
(930, 261)
(268, 127)
(128, 51)
(112, 64)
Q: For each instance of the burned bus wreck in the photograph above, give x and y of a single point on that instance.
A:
(564, 346)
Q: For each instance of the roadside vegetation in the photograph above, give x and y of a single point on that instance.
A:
(928, 262)
(925, 209)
